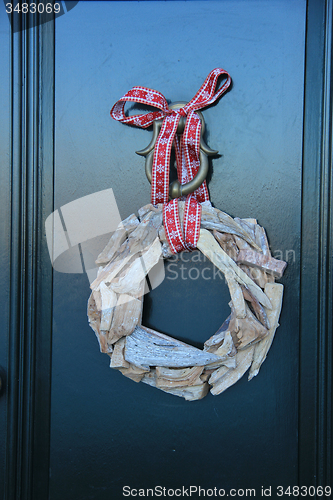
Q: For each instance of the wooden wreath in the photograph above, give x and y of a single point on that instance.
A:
(237, 247)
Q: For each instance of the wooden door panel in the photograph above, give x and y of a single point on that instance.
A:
(100, 418)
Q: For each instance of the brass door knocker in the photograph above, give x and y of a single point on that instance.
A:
(176, 189)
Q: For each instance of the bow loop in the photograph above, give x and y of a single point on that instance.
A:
(187, 150)
(181, 119)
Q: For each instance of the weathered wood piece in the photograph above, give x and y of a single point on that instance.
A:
(258, 309)
(209, 214)
(231, 376)
(248, 225)
(212, 218)
(232, 226)
(222, 345)
(178, 377)
(264, 262)
(237, 297)
(190, 393)
(133, 372)
(143, 211)
(227, 242)
(250, 219)
(143, 289)
(152, 348)
(275, 292)
(259, 276)
(139, 240)
(125, 227)
(209, 247)
(146, 232)
(261, 240)
(247, 331)
(98, 299)
(218, 374)
(113, 268)
(137, 271)
(109, 300)
(126, 316)
(94, 315)
(117, 357)
(166, 249)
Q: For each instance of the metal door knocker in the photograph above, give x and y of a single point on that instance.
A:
(176, 189)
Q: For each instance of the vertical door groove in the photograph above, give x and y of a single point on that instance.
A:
(29, 367)
(316, 260)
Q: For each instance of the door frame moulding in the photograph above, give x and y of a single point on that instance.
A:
(315, 376)
(31, 188)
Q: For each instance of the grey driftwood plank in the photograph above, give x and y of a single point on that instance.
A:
(147, 347)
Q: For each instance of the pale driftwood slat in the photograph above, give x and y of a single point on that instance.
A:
(139, 240)
(143, 211)
(178, 377)
(230, 377)
(137, 271)
(117, 357)
(246, 331)
(275, 292)
(209, 247)
(166, 249)
(248, 225)
(135, 373)
(117, 239)
(146, 232)
(231, 226)
(258, 309)
(227, 242)
(261, 240)
(190, 393)
(126, 315)
(112, 268)
(237, 297)
(264, 262)
(155, 349)
(109, 300)
(221, 344)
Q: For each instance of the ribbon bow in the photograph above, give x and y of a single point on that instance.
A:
(187, 151)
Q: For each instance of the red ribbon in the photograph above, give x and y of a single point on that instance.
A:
(187, 150)
(187, 238)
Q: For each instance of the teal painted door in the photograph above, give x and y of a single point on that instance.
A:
(74, 428)
(107, 431)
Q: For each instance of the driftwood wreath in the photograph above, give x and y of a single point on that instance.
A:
(237, 247)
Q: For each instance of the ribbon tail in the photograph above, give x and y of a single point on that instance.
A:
(161, 163)
(191, 147)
